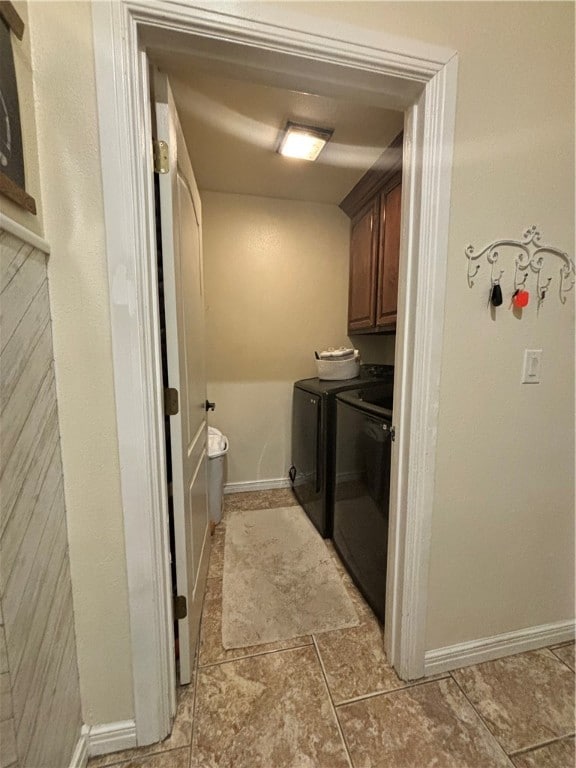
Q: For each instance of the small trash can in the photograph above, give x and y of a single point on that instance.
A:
(217, 450)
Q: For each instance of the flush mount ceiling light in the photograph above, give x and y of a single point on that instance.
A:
(304, 142)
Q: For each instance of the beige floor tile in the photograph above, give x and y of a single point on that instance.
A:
(427, 725)
(526, 699)
(176, 758)
(270, 711)
(560, 754)
(211, 649)
(566, 654)
(278, 497)
(355, 662)
(181, 735)
(354, 659)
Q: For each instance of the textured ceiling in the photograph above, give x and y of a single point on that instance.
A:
(231, 127)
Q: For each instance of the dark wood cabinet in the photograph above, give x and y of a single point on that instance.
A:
(363, 268)
(388, 257)
(374, 206)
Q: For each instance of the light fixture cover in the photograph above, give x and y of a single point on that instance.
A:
(304, 142)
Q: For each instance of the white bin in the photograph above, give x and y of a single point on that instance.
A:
(217, 450)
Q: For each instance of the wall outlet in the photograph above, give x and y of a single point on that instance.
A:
(531, 367)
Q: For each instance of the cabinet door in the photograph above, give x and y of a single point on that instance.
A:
(363, 258)
(388, 257)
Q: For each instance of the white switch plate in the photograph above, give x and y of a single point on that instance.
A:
(531, 367)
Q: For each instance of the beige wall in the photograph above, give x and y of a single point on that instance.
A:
(276, 277)
(74, 227)
(23, 66)
(502, 555)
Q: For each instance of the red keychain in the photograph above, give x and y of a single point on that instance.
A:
(520, 298)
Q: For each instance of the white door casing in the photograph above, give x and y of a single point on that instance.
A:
(416, 77)
(181, 232)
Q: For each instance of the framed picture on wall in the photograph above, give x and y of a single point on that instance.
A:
(12, 177)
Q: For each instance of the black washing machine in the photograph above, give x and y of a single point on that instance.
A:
(312, 474)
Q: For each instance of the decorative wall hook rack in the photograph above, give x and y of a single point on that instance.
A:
(530, 256)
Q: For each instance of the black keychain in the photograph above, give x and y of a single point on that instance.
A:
(496, 294)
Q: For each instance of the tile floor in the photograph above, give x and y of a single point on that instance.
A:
(331, 701)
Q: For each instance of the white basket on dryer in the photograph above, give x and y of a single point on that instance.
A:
(339, 370)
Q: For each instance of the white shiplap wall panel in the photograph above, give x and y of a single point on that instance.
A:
(42, 420)
(8, 756)
(34, 545)
(16, 254)
(38, 366)
(30, 609)
(6, 711)
(3, 652)
(40, 713)
(28, 685)
(28, 698)
(33, 503)
(20, 293)
(16, 352)
(50, 734)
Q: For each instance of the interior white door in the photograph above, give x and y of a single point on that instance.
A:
(181, 239)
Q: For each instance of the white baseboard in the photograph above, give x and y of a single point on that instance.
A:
(80, 756)
(111, 737)
(488, 648)
(257, 485)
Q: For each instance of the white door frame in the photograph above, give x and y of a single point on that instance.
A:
(422, 80)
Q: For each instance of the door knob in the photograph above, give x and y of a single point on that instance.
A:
(209, 406)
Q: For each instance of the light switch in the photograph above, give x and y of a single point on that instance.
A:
(531, 368)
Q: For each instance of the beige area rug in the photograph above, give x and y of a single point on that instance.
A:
(280, 580)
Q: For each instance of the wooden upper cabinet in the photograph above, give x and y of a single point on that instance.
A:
(374, 206)
(388, 257)
(363, 264)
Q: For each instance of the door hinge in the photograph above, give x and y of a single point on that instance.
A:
(180, 607)
(161, 161)
(393, 433)
(171, 405)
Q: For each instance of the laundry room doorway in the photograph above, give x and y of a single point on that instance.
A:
(309, 55)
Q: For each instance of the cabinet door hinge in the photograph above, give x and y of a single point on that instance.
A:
(180, 607)
(171, 405)
(161, 162)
